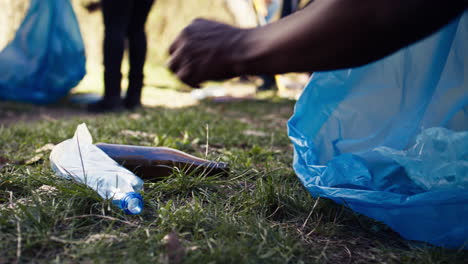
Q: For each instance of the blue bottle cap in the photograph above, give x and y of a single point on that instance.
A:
(132, 203)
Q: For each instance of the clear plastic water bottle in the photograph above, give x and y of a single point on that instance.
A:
(130, 203)
(79, 160)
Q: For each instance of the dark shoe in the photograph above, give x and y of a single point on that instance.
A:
(104, 106)
(129, 105)
(267, 87)
(132, 99)
(269, 83)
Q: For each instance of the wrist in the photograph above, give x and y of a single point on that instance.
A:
(245, 52)
(257, 51)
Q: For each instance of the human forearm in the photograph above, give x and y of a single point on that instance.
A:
(327, 35)
(333, 34)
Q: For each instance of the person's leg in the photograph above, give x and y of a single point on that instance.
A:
(137, 51)
(269, 83)
(290, 6)
(286, 10)
(116, 15)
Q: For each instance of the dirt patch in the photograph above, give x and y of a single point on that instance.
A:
(11, 113)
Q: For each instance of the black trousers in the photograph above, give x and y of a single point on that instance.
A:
(124, 20)
(289, 7)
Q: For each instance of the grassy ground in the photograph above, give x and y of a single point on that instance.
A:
(260, 213)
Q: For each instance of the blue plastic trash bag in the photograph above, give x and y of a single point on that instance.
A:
(438, 160)
(46, 59)
(355, 133)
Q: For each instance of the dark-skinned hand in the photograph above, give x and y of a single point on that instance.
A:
(206, 50)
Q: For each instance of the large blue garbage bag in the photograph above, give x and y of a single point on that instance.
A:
(46, 59)
(352, 129)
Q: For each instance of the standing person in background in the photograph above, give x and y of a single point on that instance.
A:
(123, 20)
(269, 8)
(253, 13)
(289, 7)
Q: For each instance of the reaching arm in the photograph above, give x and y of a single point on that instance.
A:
(326, 35)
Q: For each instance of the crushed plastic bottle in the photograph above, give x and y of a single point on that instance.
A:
(438, 160)
(79, 160)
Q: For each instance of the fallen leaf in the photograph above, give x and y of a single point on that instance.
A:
(137, 134)
(47, 190)
(246, 121)
(99, 237)
(175, 250)
(48, 117)
(254, 133)
(46, 147)
(3, 162)
(192, 248)
(34, 160)
(134, 116)
(21, 201)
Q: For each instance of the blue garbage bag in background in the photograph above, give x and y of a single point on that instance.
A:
(359, 136)
(46, 59)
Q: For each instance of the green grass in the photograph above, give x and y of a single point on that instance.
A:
(260, 213)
